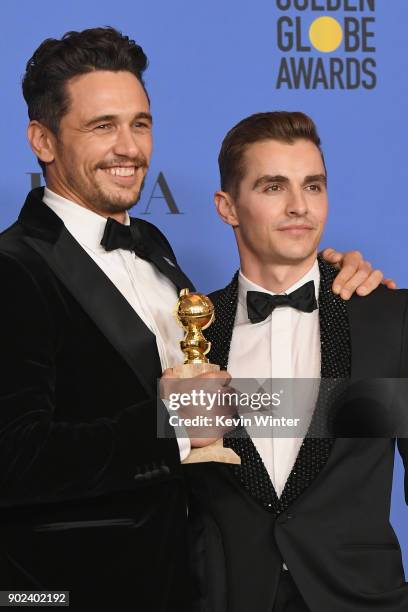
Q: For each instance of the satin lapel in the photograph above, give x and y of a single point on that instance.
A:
(104, 303)
(252, 473)
(171, 269)
(164, 261)
(335, 367)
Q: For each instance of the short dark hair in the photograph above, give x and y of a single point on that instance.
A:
(283, 126)
(56, 61)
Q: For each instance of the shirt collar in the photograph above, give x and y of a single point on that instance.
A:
(85, 225)
(245, 285)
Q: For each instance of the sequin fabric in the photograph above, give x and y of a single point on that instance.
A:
(335, 369)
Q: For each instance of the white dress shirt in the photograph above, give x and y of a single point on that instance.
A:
(285, 345)
(151, 294)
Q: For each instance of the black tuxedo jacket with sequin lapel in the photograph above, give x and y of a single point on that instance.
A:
(90, 500)
(331, 523)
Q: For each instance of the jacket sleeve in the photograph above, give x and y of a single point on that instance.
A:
(403, 442)
(42, 458)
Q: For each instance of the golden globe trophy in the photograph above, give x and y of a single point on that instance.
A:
(195, 312)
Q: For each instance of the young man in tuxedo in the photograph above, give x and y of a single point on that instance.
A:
(91, 500)
(302, 525)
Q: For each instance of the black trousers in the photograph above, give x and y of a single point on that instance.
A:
(288, 597)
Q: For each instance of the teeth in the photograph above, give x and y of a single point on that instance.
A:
(121, 171)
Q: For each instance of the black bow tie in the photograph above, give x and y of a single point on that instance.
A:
(119, 236)
(260, 305)
(133, 238)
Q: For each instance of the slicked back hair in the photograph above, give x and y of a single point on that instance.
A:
(282, 126)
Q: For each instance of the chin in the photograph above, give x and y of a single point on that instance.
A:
(299, 252)
(116, 207)
(296, 257)
(113, 204)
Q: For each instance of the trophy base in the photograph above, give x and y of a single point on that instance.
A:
(189, 370)
(213, 452)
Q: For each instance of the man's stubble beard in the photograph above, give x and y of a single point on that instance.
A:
(94, 197)
(93, 194)
(112, 204)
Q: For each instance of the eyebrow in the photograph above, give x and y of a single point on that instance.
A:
(268, 178)
(102, 118)
(315, 178)
(278, 178)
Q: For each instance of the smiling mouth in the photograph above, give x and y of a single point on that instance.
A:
(121, 170)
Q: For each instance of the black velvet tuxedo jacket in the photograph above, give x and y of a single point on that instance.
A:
(90, 500)
(331, 524)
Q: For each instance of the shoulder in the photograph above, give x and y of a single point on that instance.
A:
(20, 263)
(215, 295)
(384, 309)
(229, 292)
(14, 251)
(381, 298)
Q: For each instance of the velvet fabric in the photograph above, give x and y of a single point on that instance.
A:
(91, 501)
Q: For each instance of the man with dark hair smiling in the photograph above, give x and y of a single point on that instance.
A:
(91, 500)
(302, 525)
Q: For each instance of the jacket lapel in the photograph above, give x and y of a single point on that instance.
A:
(163, 258)
(220, 331)
(335, 366)
(92, 289)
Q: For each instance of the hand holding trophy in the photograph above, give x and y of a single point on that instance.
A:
(195, 312)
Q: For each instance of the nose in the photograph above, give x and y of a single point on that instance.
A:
(297, 204)
(126, 143)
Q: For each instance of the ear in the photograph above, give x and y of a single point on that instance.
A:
(226, 208)
(41, 141)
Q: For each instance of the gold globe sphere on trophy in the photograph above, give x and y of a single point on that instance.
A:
(194, 312)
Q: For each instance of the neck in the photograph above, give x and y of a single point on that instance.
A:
(276, 277)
